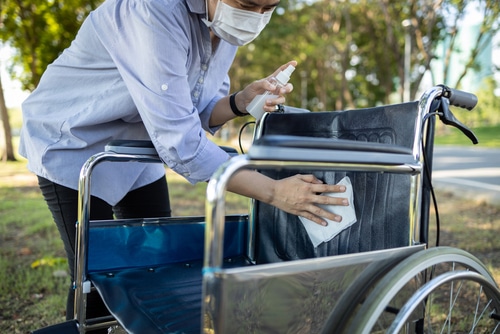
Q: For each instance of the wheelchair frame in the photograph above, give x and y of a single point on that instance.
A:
(356, 290)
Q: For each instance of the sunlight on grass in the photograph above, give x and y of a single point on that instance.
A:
(189, 200)
(29, 296)
(487, 136)
(494, 271)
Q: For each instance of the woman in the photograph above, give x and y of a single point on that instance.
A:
(156, 70)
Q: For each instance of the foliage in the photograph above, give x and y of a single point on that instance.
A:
(351, 53)
(487, 112)
(39, 30)
(455, 11)
(489, 104)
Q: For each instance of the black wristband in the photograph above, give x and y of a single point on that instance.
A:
(234, 108)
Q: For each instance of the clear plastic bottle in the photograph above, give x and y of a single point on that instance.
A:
(255, 108)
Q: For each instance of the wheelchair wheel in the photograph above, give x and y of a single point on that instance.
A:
(453, 291)
(440, 297)
(353, 297)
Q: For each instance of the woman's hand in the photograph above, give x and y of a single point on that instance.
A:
(244, 97)
(222, 111)
(301, 194)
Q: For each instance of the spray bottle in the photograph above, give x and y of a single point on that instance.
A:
(255, 108)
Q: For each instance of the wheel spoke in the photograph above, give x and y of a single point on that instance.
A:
(438, 291)
(476, 320)
(453, 301)
(496, 327)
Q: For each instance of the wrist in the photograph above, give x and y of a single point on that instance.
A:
(234, 105)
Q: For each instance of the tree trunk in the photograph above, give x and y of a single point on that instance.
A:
(8, 149)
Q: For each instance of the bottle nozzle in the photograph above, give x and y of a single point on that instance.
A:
(289, 70)
(284, 75)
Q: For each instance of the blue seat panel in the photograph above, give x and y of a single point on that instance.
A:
(152, 242)
(149, 271)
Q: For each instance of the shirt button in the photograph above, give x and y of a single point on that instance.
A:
(164, 87)
(200, 80)
(204, 67)
(185, 174)
(196, 94)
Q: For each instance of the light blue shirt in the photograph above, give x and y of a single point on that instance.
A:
(138, 69)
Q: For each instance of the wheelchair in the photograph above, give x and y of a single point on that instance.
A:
(259, 272)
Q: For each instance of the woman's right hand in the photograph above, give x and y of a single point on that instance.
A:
(246, 96)
(301, 194)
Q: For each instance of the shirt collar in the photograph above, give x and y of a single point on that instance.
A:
(197, 6)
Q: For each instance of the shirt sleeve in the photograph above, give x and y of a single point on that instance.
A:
(207, 112)
(153, 48)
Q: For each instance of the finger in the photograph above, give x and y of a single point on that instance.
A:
(264, 85)
(284, 66)
(309, 178)
(272, 103)
(330, 200)
(318, 215)
(328, 188)
(316, 219)
(288, 88)
(291, 62)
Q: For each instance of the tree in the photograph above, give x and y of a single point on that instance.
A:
(351, 53)
(38, 31)
(455, 12)
(7, 147)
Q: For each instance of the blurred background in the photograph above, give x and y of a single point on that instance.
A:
(351, 53)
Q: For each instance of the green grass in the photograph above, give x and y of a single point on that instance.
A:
(488, 136)
(189, 200)
(30, 295)
(33, 269)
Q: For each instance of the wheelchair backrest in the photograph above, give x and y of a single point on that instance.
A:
(382, 200)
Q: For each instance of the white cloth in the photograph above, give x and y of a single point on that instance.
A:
(318, 233)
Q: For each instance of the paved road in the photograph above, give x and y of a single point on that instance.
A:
(472, 171)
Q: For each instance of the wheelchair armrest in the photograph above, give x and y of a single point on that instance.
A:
(301, 148)
(142, 147)
(145, 147)
(230, 150)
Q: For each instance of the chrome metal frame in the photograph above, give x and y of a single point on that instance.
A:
(215, 203)
(82, 285)
(217, 186)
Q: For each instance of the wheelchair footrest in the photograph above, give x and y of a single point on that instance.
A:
(68, 327)
(157, 300)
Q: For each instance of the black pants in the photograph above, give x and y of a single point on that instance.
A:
(147, 202)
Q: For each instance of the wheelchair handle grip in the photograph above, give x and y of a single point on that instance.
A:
(459, 98)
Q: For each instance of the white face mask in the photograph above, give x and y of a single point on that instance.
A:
(237, 26)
